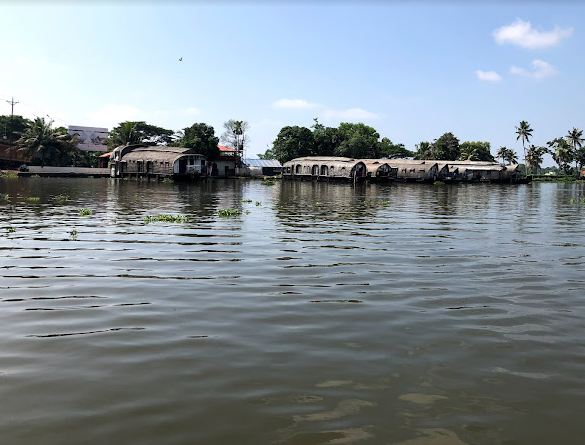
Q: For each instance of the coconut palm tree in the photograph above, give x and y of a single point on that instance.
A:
(42, 142)
(575, 138)
(501, 154)
(524, 132)
(534, 156)
(510, 157)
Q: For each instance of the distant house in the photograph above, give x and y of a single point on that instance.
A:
(156, 162)
(263, 167)
(227, 163)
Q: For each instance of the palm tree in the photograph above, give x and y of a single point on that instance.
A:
(524, 132)
(501, 154)
(574, 137)
(510, 157)
(124, 134)
(534, 156)
(41, 141)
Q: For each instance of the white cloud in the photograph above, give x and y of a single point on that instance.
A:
(193, 110)
(522, 34)
(293, 104)
(488, 76)
(112, 114)
(540, 70)
(350, 114)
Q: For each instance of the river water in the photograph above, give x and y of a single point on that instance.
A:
(324, 314)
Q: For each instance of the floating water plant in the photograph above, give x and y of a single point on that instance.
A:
(61, 199)
(73, 234)
(229, 213)
(11, 230)
(4, 197)
(9, 175)
(32, 200)
(268, 181)
(163, 217)
(258, 203)
(85, 212)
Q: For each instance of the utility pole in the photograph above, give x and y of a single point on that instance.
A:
(12, 103)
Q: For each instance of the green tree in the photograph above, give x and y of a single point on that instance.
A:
(562, 153)
(12, 128)
(446, 148)
(47, 145)
(575, 138)
(268, 154)
(534, 157)
(358, 141)
(475, 151)
(293, 142)
(425, 150)
(138, 132)
(390, 150)
(327, 139)
(524, 132)
(201, 138)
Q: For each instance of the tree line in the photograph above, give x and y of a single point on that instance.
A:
(46, 144)
(49, 145)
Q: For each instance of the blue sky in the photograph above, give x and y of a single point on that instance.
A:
(413, 70)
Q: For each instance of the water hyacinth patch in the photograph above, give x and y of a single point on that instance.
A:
(85, 212)
(229, 213)
(32, 200)
(61, 199)
(4, 197)
(165, 218)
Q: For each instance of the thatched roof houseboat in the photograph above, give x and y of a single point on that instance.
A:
(156, 161)
(380, 169)
(324, 168)
(417, 170)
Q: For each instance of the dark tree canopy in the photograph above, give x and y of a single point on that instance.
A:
(475, 151)
(201, 138)
(11, 129)
(293, 142)
(139, 132)
(357, 141)
(390, 150)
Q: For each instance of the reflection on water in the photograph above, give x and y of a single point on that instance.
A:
(329, 314)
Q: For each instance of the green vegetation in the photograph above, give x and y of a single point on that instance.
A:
(85, 212)
(165, 217)
(229, 213)
(11, 230)
(61, 199)
(8, 174)
(201, 138)
(32, 200)
(577, 201)
(12, 127)
(138, 132)
(73, 234)
(524, 132)
(4, 197)
(46, 145)
(268, 181)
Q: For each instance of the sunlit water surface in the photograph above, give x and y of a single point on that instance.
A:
(324, 314)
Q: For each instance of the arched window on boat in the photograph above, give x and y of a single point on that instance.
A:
(324, 170)
(298, 169)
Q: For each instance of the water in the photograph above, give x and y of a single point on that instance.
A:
(327, 314)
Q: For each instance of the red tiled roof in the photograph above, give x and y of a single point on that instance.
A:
(225, 148)
(106, 155)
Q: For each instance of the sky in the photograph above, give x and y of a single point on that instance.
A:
(411, 69)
